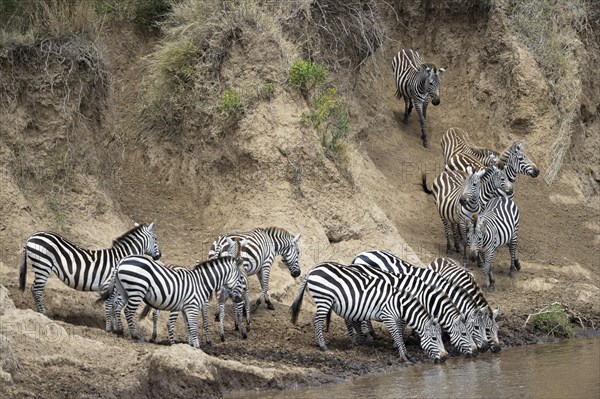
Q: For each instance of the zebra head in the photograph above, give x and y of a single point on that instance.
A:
(475, 326)
(431, 341)
(494, 327)
(475, 236)
(471, 188)
(521, 162)
(290, 255)
(433, 82)
(496, 181)
(150, 242)
(461, 338)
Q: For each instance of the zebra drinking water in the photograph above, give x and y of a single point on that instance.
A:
(416, 83)
(450, 270)
(357, 297)
(80, 268)
(434, 300)
(463, 301)
(491, 229)
(140, 279)
(260, 252)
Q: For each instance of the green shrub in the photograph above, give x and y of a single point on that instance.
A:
(552, 320)
(230, 104)
(266, 91)
(307, 76)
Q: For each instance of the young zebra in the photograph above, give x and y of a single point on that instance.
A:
(357, 297)
(493, 228)
(463, 301)
(260, 252)
(79, 268)
(434, 300)
(450, 270)
(459, 194)
(417, 83)
(175, 289)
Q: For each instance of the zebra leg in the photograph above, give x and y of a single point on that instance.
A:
(37, 288)
(456, 233)
(130, 309)
(109, 308)
(117, 323)
(515, 265)
(238, 311)
(247, 307)
(396, 330)
(263, 277)
(204, 324)
(408, 106)
(222, 295)
(171, 327)
(367, 328)
(419, 108)
(320, 316)
(350, 327)
(190, 316)
(488, 277)
(222, 321)
(155, 315)
(448, 232)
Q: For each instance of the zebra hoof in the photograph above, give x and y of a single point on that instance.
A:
(244, 336)
(517, 264)
(270, 306)
(139, 340)
(425, 144)
(119, 333)
(222, 338)
(512, 273)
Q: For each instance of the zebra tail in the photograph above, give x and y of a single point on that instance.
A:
(104, 295)
(298, 301)
(328, 320)
(424, 184)
(23, 273)
(145, 312)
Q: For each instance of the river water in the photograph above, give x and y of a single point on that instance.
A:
(569, 369)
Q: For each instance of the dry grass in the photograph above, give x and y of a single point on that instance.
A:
(551, 30)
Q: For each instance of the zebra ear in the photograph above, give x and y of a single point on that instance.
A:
(243, 243)
(297, 238)
(442, 69)
(135, 224)
(496, 312)
(152, 225)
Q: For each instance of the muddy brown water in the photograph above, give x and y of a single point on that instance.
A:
(561, 370)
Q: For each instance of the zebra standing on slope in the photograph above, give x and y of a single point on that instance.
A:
(434, 300)
(175, 289)
(495, 227)
(260, 252)
(459, 194)
(357, 297)
(463, 301)
(417, 83)
(79, 268)
(450, 270)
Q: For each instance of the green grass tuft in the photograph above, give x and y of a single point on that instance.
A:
(553, 320)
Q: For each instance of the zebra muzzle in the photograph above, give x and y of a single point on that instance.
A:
(435, 101)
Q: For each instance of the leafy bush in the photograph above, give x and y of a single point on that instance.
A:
(306, 76)
(552, 320)
(230, 104)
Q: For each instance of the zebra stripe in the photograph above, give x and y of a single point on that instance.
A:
(463, 301)
(175, 289)
(80, 268)
(449, 269)
(260, 252)
(493, 228)
(435, 301)
(357, 297)
(417, 83)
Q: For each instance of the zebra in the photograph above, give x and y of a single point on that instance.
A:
(264, 244)
(491, 229)
(459, 194)
(449, 269)
(513, 159)
(463, 301)
(357, 297)
(434, 300)
(175, 289)
(80, 268)
(417, 83)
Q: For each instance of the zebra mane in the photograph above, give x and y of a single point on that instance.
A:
(480, 151)
(122, 236)
(277, 231)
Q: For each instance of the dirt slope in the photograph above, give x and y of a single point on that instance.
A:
(219, 177)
